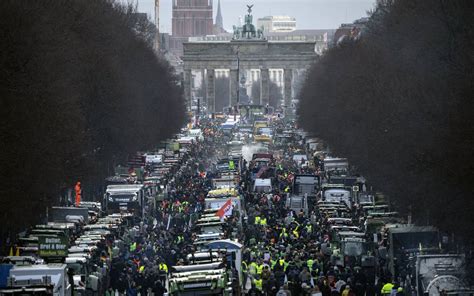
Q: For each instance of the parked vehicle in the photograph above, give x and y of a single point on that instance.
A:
(44, 279)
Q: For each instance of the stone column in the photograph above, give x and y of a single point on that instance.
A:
(234, 85)
(288, 80)
(264, 87)
(188, 76)
(211, 91)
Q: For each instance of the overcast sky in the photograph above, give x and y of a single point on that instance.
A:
(309, 14)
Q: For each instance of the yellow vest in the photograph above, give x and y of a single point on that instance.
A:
(257, 220)
(387, 288)
(263, 222)
(295, 232)
(253, 268)
(273, 263)
(164, 267)
(258, 284)
(259, 269)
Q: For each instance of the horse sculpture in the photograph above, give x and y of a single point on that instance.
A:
(248, 30)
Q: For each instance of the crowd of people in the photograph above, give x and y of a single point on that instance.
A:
(145, 253)
(285, 252)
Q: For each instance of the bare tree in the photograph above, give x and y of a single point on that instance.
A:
(398, 102)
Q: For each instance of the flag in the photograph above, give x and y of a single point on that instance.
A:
(225, 210)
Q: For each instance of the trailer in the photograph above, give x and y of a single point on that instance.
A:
(50, 279)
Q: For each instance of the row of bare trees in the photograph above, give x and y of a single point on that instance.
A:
(80, 88)
(398, 101)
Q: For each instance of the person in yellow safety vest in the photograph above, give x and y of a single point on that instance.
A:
(163, 267)
(133, 247)
(258, 284)
(310, 263)
(273, 263)
(257, 220)
(282, 263)
(295, 232)
(283, 233)
(387, 288)
(141, 269)
(244, 266)
(179, 239)
(231, 165)
(263, 221)
(253, 268)
(309, 228)
(259, 268)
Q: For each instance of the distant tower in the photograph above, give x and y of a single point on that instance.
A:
(219, 20)
(190, 18)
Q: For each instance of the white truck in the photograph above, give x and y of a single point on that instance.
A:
(337, 195)
(335, 164)
(43, 279)
(440, 274)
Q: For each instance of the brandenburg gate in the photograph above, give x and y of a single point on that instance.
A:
(248, 50)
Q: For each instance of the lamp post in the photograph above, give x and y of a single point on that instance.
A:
(238, 85)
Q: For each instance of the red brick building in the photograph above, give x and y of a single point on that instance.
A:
(191, 18)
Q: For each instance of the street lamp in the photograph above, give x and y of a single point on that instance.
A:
(238, 85)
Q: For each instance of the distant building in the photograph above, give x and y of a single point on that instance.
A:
(190, 18)
(219, 25)
(350, 31)
(277, 24)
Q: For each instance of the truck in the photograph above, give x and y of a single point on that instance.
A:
(334, 165)
(128, 198)
(86, 281)
(338, 195)
(297, 203)
(42, 279)
(440, 273)
(68, 214)
(306, 184)
(262, 185)
(200, 279)
(407, 241)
